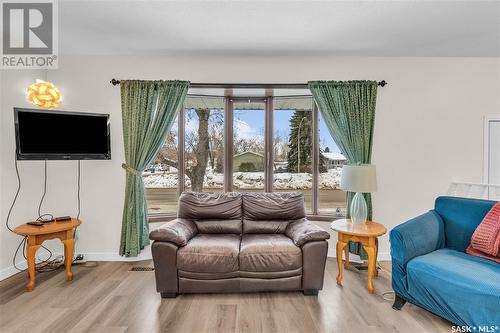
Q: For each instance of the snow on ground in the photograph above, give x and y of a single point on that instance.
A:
(160, 179)
(249, 180)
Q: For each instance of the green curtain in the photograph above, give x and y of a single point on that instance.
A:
(348, 108)
(149, 109)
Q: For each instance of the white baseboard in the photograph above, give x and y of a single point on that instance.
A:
(41, 255)
(111, 256)
(91, 256)
(382, 256)
(11, 270)
(145, 255)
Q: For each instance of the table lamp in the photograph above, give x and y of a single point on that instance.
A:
(359, 178)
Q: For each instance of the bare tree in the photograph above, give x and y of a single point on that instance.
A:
(169, 151)
(216, 138)
(281, 147)
(201, 146)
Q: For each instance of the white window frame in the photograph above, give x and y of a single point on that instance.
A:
(228, 148)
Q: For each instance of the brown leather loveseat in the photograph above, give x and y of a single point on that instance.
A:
(239, 242)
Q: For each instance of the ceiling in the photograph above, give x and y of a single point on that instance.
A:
(339, 28)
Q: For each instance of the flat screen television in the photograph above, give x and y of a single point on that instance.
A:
(61, 135)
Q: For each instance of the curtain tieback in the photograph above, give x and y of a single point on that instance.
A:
(129, 169)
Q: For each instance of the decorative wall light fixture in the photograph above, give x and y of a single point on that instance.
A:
(43, 94)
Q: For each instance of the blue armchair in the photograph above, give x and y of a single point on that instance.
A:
(431, 269)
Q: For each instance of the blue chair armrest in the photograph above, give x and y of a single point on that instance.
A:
(416, 237)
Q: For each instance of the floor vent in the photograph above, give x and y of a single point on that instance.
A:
(141, 269)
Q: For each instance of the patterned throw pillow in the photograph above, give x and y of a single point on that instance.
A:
(485, 241)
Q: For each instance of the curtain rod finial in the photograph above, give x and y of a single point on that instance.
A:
(114, 82)
(382, 83)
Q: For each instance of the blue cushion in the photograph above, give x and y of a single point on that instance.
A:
(461, 216)
(462, 288)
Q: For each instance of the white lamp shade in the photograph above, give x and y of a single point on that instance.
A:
(359, 178)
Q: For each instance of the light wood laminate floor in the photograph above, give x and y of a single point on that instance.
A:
(109, 298)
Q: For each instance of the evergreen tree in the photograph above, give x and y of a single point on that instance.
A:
(301, 123)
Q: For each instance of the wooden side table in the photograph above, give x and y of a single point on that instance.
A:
(38, 234)
(367, 235)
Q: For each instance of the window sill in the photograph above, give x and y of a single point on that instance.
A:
(161, 217)
(165, 217)
(324, 217)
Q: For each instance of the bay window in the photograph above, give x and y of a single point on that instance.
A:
(273, 142)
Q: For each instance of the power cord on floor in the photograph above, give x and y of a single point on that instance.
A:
(390, 292)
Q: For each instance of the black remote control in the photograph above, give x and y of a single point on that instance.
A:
(37, 223)
(63, 218)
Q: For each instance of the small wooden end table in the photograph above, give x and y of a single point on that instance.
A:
(367, 235)
(38, 234)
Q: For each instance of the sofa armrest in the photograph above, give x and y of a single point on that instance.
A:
(165, 262)
(303, 231)
(313, 264)
(178, 232)
(418, 236)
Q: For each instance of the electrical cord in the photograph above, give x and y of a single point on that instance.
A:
(40, 215)
(77, 198)
(389, 299)
(39, 218)
(44, 188)
(390, 292)
(46, 265)
(78, 192)
(58, 262)
(7, 219)
(15, 197)
(15, 254)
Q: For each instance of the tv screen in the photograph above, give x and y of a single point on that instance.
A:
(61, 135)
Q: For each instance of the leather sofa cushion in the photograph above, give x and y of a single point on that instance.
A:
(237, 274)
(208, 276)
(264, 226)
(271, 275)
(269, 253)
(187, 285)
(218, 226)
(210, 253)
(207, 206)
(279, 284)
(273, 206)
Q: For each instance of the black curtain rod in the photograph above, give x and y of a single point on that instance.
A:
(249, 85)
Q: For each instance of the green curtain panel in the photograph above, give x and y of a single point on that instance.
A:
(348, 108)
(149, 109)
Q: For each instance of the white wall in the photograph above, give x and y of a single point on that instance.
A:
(428, 130)
(12, 86)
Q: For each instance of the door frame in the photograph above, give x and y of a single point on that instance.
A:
(486, 144)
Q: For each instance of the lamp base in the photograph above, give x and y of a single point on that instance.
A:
(359, 210)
